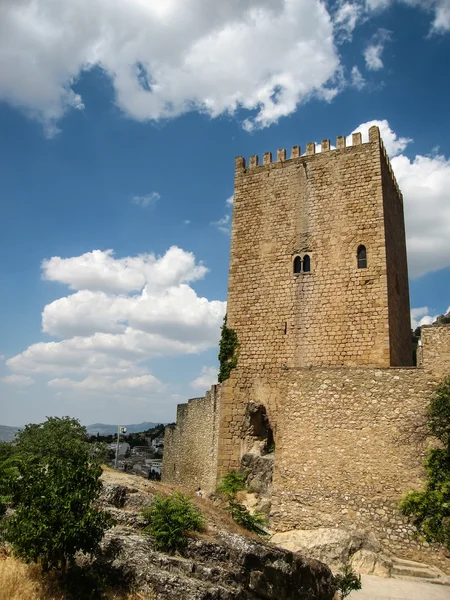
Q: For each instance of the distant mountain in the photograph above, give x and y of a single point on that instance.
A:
(103, 429)
(7, 433)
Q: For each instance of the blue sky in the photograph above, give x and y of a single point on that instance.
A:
(119, 124)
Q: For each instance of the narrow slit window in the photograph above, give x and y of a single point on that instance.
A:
(297, 264)
(306, 264)
(362, 257)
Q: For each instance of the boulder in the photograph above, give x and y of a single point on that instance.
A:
(233, 567)
(336, 547)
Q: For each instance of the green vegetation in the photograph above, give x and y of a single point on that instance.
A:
(170, 520)
(347, 581)
(231, 483)
(53, 482)
(255, 522)
(430, 509)
(227, 351)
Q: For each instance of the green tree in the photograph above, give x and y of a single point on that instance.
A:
(430, 508)
(347, 581)
(54, 493)
(170, 519)
(227, 351)
(231, 483)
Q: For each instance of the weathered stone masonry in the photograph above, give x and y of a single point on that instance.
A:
(326, 352)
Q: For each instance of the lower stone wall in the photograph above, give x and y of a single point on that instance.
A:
(436, 349)
(190, 447)
(346, 450)
(346, 453)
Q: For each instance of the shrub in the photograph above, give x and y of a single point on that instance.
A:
(227, 351)
(231, 483)
(252, 522)
(347, 581)
(169, 521)
(430, 508)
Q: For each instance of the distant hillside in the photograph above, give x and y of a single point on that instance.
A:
(103, 429)
(7, 433)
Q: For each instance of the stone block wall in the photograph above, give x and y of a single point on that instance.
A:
(190, 447)
(322, 205)
(436, 349)
(396, 267)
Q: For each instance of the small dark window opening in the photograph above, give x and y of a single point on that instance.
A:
(285, 327)
(306, 264)
(297, 264)
(362, 257)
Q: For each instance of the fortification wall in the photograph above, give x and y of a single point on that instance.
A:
(324, 205)
(190, 447)
(436, 349)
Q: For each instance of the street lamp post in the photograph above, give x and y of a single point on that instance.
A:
(120, 430)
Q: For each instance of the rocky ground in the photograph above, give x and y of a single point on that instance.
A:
(221, 563)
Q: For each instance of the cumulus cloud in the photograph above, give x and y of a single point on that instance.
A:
(224, 223)
(421, 316)
(424, 181)
(168, 58)
(440, 9)
(125, 312)
(101, 271)
(147, 200)
(206, 379)
(374, 50)
(18, 380)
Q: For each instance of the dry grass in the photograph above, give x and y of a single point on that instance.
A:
(19, 581)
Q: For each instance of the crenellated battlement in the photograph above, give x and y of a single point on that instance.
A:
(311, 149)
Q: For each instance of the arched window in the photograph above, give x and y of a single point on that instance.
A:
(306, 264)
(362, 257)
(297, 264)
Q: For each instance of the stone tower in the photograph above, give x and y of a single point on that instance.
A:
(318, 270)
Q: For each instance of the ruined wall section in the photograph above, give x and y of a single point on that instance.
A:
(396, 265)
(324, 205)
(190, 447)
(436, 349)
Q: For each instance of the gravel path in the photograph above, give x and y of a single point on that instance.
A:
(377, 588)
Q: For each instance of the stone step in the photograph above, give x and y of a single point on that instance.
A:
(408, 563)
(435, 581)
(399, 570)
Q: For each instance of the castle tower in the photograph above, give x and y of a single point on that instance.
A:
(318, 270)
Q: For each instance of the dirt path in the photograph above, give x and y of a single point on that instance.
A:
(377, 588)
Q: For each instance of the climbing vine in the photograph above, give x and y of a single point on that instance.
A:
(227, 351)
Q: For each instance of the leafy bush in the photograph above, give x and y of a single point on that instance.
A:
(227, 351)
(170, 519)
(231, 483)
(252, 522)
(347, 581)
(54, 495)
(430, 508)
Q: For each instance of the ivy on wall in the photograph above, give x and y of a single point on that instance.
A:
(227, 351)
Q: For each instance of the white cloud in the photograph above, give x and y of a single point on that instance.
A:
(100, 271)
(18, 380)
(357, 80)
(424, 182)
(135, 385)
(374, 50)
(394, 143)
(168, 58)
(147, 200)
(206, 379)
(440, 8)
(346, 17)
(223, 224)
(108, 334)
(420, 316)
(230, 201)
